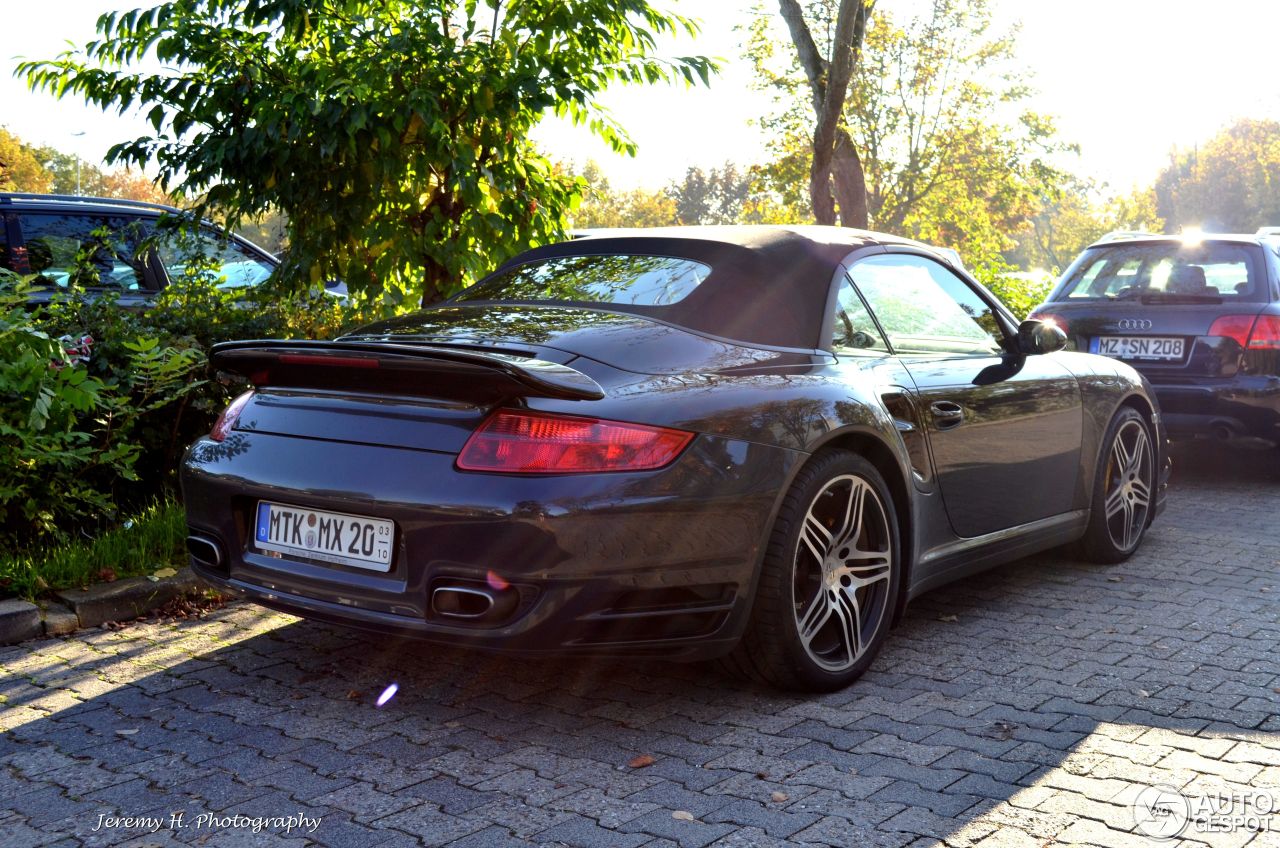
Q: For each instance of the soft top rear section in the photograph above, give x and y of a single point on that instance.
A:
(766, 285)
(403, 369)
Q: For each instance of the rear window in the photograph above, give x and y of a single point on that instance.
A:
(608, 278)
(1172, 272)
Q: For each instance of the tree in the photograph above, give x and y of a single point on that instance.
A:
(1076, 217)
(603, 207)
(719, 196)
(836, 180)
(392, 134)
(934, 108)
(20, 166)
(1230, 184)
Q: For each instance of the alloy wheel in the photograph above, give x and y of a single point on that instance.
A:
(843, 562)
(1128, 486)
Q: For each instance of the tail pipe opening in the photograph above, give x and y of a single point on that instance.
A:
(474, 604)
(205, 552)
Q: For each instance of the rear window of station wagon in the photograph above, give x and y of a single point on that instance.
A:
(1172, 272)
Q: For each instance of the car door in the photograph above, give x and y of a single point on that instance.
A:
(1003, 429)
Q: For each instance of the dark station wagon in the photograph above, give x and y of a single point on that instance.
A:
(1198, 315)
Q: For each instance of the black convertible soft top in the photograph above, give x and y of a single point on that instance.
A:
(768, 284)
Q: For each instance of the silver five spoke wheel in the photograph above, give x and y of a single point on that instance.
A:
(1128, 485)
(840, 590)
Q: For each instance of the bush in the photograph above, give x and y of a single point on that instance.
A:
(189, 316)
(70, 437)
(1020, 292)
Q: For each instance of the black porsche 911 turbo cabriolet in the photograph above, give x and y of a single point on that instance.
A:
(755, 443)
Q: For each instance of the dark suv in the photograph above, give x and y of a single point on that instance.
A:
(103, 245)
(1197, 314)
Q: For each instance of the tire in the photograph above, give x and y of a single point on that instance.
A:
(807, 612)
(1123, 490)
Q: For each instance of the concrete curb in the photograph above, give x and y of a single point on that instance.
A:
(120, 600)
(19, 621)
(126, 599)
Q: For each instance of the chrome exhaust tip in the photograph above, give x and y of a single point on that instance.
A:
(462, 602)
(205, 551)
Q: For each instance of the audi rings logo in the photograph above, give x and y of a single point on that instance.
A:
(1134, 324)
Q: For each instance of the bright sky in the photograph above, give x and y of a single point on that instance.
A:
(1127, 80)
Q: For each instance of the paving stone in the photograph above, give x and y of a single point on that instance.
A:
(1021, 723)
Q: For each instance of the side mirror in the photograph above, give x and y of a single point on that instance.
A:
(1037, 337)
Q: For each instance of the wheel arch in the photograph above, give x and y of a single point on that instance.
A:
(888, 462)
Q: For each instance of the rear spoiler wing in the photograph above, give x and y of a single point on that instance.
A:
(532, 377)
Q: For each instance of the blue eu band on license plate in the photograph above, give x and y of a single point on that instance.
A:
(298, 532)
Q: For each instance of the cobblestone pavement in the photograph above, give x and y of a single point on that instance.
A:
(1028, 706)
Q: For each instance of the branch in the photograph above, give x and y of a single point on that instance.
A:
(815, 67)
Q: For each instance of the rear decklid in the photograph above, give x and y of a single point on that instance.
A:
(628, 342)
(412, 396)
(1175, 310)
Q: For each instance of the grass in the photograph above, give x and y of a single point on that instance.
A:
(154, 538)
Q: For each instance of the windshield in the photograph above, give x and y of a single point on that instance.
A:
(607, 278)
(1169, 272)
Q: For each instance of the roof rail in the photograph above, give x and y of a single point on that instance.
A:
(1116, 235)
(7, 197)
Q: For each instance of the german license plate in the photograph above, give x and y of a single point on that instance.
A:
(1138, 347)
(336, 537)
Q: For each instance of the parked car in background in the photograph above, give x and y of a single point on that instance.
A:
(1198, 315)
(121, 246)
(758, 442)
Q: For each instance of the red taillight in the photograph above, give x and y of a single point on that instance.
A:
(1266, 333)
(1235, 327)
(516, 442)
(1050, 318)
(227, 420)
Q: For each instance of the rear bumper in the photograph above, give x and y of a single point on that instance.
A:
(1239, 409)
(657, 563)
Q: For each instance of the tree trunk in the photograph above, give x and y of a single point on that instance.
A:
(435, 279)
(835, 163)
(850, 183)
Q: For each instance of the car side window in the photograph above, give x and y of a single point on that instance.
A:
(853, 328)
(209, 258)
(88, 251)
(926, 309)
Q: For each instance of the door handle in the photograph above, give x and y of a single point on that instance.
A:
(947, 414)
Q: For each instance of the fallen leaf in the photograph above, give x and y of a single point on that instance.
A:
(764, 775)
(948, 618)
(355, 695)
(164, 572)
(682, 815)
(641, 761)
(106, 575)
(129, 732)
(779, 796)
